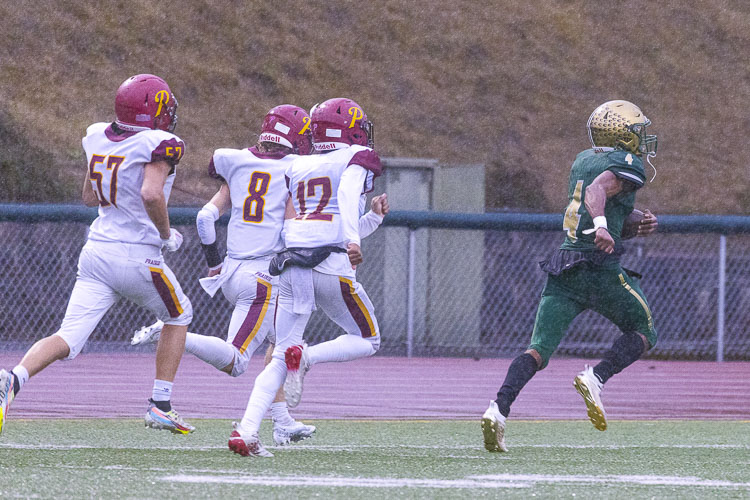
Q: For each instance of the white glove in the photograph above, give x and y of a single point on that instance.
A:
(174, 241)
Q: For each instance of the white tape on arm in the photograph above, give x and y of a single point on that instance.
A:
(599, 221)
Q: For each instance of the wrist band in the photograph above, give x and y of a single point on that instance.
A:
(599, 221)
(211, 252)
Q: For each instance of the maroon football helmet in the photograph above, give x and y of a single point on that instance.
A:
(338, 123)
(289, 126)
(145, 102)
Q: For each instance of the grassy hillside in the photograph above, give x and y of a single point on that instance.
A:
(506, 83)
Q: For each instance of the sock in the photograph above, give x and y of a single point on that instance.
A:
(164, 406)
(266, 386)
(21, 376)
(627, 349)
(343, 348)
(280, 414)
(520, 372)
(211, 350)
(161, 394)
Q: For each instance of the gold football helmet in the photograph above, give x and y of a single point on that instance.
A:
(621, 124)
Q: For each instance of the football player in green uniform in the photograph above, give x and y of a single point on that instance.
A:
(585, 272)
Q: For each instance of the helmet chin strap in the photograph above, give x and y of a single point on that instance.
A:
(648, 160)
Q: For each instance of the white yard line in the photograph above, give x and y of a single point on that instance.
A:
(615, 478)
(350, 448)
(470, 482)
(345, 482)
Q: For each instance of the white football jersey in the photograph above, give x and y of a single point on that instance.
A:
(257, 187)
(326, 190)
(116, 166)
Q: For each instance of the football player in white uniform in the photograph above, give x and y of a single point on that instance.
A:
(254, 189)
(322, 237)
(131, 169)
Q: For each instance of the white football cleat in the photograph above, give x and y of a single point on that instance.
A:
(590, 388)
(297, 365)
(171, 420)
(148, 334)
(247, 447)
(291, 434)
(493, 428)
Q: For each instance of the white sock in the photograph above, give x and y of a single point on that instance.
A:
(22, 374)
(162, 390)
(344, 348)
(280, 414)
(212, 350)
(266, 386)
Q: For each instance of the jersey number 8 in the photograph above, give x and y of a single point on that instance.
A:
(252, 209)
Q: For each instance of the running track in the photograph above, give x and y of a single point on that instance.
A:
(118, 385)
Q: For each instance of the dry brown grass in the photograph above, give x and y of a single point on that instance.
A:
(506, 83)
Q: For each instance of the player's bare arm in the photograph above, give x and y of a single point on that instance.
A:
(290, 213)
(152, 193)
(605, 186)
(222, 199)
(87, 194)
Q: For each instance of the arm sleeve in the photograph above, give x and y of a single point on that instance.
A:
(350, 189)
(368, 223)
(205, 223)
(205, 220)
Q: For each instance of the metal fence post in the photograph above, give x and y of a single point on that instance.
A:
(722, 292)
(410, 292)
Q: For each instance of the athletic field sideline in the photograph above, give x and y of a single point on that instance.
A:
(386, 388)
(379, 459)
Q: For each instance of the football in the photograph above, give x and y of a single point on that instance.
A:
(630, 226)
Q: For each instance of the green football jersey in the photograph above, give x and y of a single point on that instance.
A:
(588, 165)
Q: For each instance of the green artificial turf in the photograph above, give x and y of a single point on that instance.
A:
(374, 459)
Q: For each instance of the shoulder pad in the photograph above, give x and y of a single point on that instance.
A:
(627, 166)
(369, 160)
(169, 150)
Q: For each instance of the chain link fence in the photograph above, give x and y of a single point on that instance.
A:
(437, 291)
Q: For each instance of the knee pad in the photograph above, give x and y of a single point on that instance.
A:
(185, 318)
(241, 362)
(375, 342)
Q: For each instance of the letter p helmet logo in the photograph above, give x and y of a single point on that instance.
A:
(306, 121)
(162, 97)
(357, 114)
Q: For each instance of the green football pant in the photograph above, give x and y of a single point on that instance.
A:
(610, 292)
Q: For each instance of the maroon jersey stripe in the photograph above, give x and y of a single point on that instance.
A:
(163, 288)
(359, 315)
(254, 318)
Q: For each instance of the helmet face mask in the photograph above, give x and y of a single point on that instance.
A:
(621, 124)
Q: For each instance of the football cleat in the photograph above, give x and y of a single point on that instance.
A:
(297, 366)
(6, 396)
(147, 334)
(250, 447)
(590, 388)
(493, 428)
(283, 434)
(170, 420)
